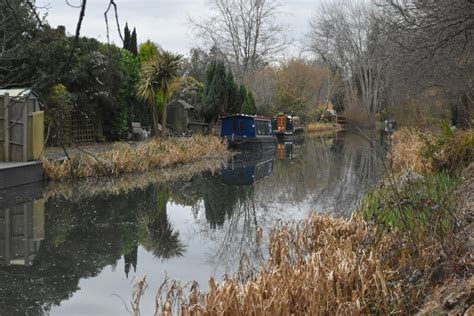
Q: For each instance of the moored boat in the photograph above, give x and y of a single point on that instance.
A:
(288, 127)
(248, 131)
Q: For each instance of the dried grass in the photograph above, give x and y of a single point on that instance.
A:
(406, 153)
(318, 127)
(77, 190)
(320, 266)
(425, 153)
(123, 159)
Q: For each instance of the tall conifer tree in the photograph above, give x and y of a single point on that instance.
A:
(126, 38)
(133, 43)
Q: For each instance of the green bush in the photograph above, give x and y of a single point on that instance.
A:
(450, 150)
(415, 204)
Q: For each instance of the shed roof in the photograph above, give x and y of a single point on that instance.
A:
(185, 104)
(18, 92)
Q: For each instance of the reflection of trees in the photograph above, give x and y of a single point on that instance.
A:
(220, 200)
(159, 235)
(330, 174)
(81, 238)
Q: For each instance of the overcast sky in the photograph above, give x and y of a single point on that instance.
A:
(162, 21)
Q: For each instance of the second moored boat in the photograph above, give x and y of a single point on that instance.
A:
(288, 127)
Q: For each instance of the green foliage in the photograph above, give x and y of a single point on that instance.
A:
(249, 106)
(58, 108)
(130, 40)
(126, 38)
(215, 96)
(120, 121)
(286, 102)
(222, 95)
(133, 43)
(417, 205)
(234, 103)
(148, 51)
(156, 77)
(450, 150)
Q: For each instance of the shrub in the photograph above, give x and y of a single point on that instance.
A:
(449, 150)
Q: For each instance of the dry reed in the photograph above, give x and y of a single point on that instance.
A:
(320, 266)
(317, 127)
(84, 188)
(425, 153)
(406, 153)
(123, 159)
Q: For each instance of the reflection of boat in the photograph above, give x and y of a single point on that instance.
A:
(249, 168)
(288, 127)
(287, 150)
(248, 131)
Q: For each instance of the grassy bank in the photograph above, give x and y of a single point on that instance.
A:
(404, 251)
(150, 155)
(318, 127)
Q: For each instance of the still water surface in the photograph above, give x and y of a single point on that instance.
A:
(79, 253)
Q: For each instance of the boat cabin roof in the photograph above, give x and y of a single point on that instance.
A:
(254, 117)
(246, 126)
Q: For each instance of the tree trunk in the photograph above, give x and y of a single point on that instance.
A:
(163, 121)
(155, 119)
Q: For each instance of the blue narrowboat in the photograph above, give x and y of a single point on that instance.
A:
(248, 131)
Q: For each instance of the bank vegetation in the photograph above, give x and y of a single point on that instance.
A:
(153, 154)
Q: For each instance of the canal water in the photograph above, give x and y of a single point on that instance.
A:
(78, 250)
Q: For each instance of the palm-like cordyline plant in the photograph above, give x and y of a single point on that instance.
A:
(155, 79)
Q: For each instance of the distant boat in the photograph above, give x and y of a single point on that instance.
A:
(288, 127)
(248, 131)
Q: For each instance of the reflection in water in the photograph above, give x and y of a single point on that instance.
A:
(21, 233)
(248, 168)
(160, 238)
(47, 248)
(287, 150)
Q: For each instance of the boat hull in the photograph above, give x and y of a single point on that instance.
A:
(290, 137)
(262, 142)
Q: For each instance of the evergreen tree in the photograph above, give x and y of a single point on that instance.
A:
(126, 38)
(234, 105)
(249, 106)
(211, 70)
(241, 97)
(215, 92)
(133, 43)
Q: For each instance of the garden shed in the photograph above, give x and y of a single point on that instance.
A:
(183, 117)
(21, 125)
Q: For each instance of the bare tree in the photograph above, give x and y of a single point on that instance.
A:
(348, 34)
(248, 32)
(433, 50)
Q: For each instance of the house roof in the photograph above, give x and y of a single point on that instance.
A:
(185, 104)
(18, 92)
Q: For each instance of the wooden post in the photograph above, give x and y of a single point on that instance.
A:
(25, 234)
(7, 236)
(6, 127)
(25, 129)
